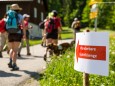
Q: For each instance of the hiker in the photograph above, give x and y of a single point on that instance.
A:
(42, 26)
(3, 35)
(52, 28)
(76, 27)
(13, 24)
(27, 27)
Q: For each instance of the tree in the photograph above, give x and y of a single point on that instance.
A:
(106, 18)
(67, 9)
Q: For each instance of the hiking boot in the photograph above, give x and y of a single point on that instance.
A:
(14, 67)
(1, 55)
(28, 54)
(10, 65)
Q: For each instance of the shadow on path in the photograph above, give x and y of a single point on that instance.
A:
(5, 74)
(32, 74)
(24, 57)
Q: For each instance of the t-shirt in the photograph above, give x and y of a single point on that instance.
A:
(2, 25)
(25, 23)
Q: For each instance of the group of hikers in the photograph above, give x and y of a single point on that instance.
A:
(14, 29)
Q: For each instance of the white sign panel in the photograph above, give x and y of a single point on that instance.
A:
(92, 53)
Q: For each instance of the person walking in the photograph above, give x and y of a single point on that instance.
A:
(27, 27)
(3, 35)
(76, 27)
(14, 21)
(52, 28)
(41, 26)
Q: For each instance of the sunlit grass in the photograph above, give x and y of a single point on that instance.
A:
(60, 71)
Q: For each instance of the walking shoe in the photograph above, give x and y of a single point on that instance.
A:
(10, 65)
(28, 54)
(14, 67)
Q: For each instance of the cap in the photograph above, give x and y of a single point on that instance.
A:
(26, 15)
(55, 13)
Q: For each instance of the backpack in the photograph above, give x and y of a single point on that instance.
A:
(52, 25)
(41, 25)
(77, 24)
(12, 24)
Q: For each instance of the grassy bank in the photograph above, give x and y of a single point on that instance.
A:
(60, 71)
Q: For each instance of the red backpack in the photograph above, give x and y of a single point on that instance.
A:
(52, 25)
(2, 25)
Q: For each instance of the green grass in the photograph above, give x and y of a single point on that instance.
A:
(67, 33)
(60, 71)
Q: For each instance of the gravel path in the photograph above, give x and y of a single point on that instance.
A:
(30, 67)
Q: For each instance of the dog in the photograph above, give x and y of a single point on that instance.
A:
(58, 49)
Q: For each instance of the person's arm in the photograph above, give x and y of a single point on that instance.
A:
(45, 27)
(72, 26)
(59, 26)
(24, 29)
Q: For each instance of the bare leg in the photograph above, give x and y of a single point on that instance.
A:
(48, 41)
(28, 46)
(20, 47)
(13, 54)
(55, 41)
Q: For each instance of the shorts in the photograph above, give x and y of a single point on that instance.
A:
(14, 37)
(52, 35)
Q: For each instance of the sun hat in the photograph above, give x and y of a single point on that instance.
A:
(15, 7)
(26, 15)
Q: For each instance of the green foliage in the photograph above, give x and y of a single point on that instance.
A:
(68, 9)
(106, 18)
(85, 15)
(60, 71)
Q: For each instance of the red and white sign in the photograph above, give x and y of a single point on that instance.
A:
(92, 53)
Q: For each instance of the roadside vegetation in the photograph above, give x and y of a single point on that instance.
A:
(60, 71)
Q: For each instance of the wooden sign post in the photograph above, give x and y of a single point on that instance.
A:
(85, 79)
